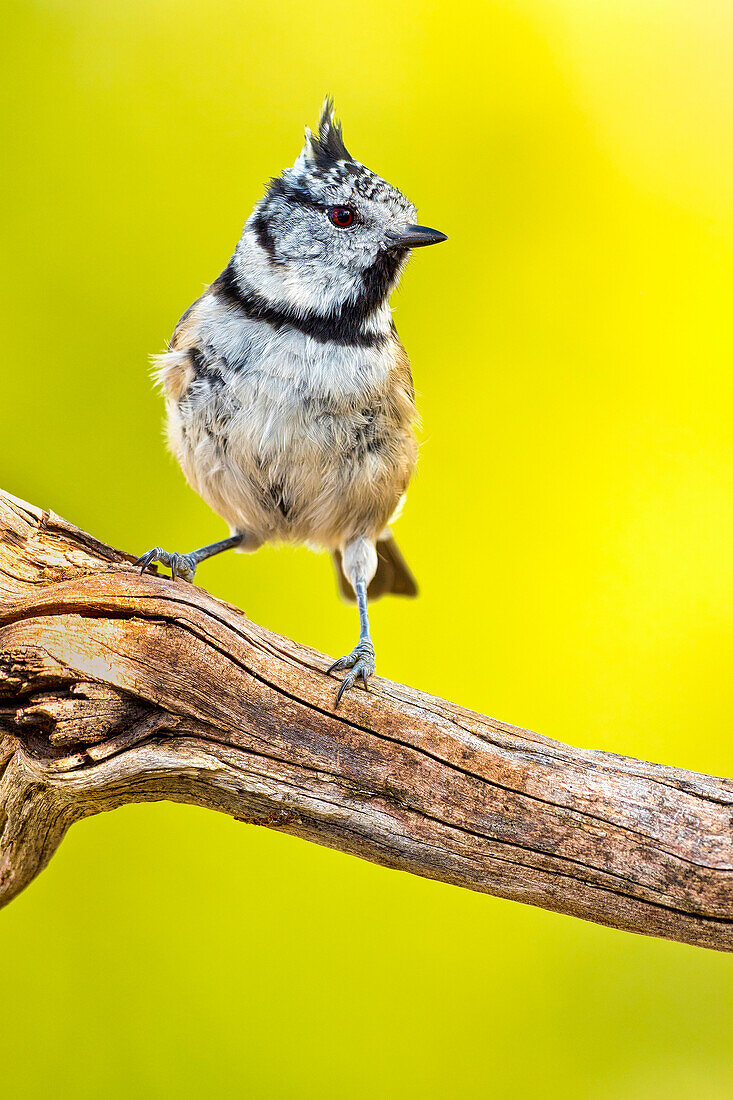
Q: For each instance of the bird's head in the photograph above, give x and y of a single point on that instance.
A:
(329, 233)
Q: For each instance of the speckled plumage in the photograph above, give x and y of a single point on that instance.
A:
(287, 438)
(289, 396)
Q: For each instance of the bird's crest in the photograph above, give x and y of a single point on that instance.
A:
(326, 148)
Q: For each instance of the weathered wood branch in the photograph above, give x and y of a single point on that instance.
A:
(119, 688)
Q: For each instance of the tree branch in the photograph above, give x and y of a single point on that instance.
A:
(119, 688)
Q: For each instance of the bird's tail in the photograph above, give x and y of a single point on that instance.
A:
(393, 576)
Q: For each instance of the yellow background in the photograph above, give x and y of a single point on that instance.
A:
(570, 524)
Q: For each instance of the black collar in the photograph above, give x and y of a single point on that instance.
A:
(344, 326)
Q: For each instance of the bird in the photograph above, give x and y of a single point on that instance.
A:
(290, 403)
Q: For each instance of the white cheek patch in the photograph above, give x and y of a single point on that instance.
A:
(307, 286)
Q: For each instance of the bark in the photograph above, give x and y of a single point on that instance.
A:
(119, 688)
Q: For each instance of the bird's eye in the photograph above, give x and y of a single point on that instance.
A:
(342, 216)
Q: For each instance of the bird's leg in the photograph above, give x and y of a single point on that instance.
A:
(184, 565)
(359, 564)
(360, 662)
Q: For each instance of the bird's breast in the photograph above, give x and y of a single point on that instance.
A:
(310, 436)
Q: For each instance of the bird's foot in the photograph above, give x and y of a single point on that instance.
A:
(180, 565)
(360, 665)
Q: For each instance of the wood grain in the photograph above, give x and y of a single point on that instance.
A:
(119, 688)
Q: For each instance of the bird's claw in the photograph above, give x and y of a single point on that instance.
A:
(360, 665)
(180, 565)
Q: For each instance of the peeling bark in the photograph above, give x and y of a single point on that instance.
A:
(119, 688)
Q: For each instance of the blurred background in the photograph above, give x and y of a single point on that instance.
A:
(571, 522)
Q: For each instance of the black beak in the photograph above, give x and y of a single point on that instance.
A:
(415, 236)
